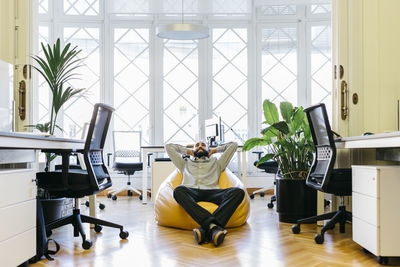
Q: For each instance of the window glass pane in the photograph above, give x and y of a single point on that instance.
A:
(131, 81)
(79, 109)
(175, 6)
(231, 7)
(82, 7)
(229, 63)
(279, 64)
(180, 88)
(321, 65)
(43, 89)
(278, 10)
(321, 9)
(129, 6)
(43, 7)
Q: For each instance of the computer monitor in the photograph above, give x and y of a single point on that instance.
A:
(211, 134)
(214, 131)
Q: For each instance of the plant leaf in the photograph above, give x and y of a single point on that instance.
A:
(286, 111)
(298, 119)
(265, 158)
(256, 141)
(281, 126)
(270, 112)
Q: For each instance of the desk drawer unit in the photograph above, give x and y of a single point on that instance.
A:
(17, 186)
(375, 209)
(18, 216)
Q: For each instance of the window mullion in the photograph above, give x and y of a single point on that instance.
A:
(156, 74)
(303, 93)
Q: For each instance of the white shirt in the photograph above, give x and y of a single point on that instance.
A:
(204, 172)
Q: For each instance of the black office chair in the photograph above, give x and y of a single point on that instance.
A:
(322, 176)
(80, 165)
(127, 159)
(269, 166)
(77, 183)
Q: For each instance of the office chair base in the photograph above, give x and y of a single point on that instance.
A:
(270, 205)
(260, 191)
(129, 188)
(101, 205)
(77, 220)
(340, 216)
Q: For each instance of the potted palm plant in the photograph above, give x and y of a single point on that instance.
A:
(58, 67)
(289, 143)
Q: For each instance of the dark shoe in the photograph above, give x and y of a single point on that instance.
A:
(199, 235)
(217, 235)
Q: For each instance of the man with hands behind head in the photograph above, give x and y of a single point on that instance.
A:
(200, 183)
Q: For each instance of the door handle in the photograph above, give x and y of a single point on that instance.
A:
(22, 100)
(344, 97)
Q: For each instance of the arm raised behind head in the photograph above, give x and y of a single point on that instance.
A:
(228, 150)
(175, 151)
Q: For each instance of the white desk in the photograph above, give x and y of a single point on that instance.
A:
(18, 167)
(381, 140)
(242, 168)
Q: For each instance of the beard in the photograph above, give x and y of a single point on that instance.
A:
(200, 153)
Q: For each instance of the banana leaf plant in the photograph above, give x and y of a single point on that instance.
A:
(58, 68)
(289, 141)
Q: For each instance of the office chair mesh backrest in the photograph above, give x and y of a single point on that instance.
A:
(127, 146)
(325, 155)
(93, 151)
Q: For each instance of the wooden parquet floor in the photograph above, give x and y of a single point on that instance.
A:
(263, 241)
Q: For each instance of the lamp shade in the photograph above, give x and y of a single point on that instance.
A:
(183, 31)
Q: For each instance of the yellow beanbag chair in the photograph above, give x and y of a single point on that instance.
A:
(169, 213)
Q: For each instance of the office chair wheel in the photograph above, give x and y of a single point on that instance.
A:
(86, 244)
(262, 194)
(49, 233)
(124, 234)
(114, 197)
(140, 197)
(109, 195)
(252, 196)
(270, 205)
(383, 260)
(98, 228)
(319, 239)
(102, 206)
(296, 229)
(87, 204)
(130, 193)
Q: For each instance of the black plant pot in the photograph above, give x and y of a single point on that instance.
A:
(294, 199)
(52, 209)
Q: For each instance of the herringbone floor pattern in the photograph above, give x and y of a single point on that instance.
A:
(263, 241)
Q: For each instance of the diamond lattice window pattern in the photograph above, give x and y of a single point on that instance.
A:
(180, 91)
(230, 81)
(82, 7)
(131, 81)
(77, 111)
(279, 64)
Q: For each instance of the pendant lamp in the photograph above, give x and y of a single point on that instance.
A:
(183, 31)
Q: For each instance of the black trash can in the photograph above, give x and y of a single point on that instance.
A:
(52, 209)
